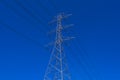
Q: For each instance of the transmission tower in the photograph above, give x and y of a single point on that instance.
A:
(57, 68)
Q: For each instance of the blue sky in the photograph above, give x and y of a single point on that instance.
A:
(93, 55)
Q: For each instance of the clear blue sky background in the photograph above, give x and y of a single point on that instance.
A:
(95, 55)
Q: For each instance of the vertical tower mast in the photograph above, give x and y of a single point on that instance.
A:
(57, 68)
(59, 42)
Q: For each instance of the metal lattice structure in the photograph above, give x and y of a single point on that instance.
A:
(57, 68)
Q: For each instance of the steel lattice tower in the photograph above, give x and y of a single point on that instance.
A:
(57, 68)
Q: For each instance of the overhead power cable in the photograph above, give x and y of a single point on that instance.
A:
(38, 11)
(48, 12)
(21, 34)
(20, 14)
(80, 63)
(85, 64)
(30, 13)
(85, 55)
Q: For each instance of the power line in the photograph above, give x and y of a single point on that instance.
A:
(84, 64)
(85, 54)
(30, 13)
(48, 12)
(19, 14)
(80, 63)
(21, 34)
(42, 7)
(14, 10)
